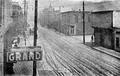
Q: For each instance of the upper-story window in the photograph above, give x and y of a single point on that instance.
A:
(64, 18)
(15, 14)
(68, 18)
(76, 19)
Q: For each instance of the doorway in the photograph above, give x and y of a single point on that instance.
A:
(72, 30)
(117, 42)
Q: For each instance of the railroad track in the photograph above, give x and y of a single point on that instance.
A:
(70, 56)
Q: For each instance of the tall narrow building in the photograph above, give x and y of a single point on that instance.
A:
(5, 19)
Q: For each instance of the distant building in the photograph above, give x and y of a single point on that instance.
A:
(49, 16)
(68, 22)
(6, 14)
(16, 10)
(106, 26)
(19, 18)
(72, 23)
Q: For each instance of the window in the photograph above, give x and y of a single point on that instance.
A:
(117, 42)
(13, 14)
(68, 19)
(88, 18)
(76, 19)
(117, 32)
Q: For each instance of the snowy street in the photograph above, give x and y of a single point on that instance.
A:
(67, 56)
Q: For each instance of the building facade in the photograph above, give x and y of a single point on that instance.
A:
(106, 28)
(5, 19)
(72, 23)
(12, 29)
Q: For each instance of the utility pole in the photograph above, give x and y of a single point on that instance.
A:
(59, 23)
(25, 20)
(83, 22)
(35, 35)
(4, 51)
(25, 9)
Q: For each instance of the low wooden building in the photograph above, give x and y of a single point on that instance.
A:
(106, 26)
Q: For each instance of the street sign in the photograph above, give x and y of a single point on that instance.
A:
(24, 54)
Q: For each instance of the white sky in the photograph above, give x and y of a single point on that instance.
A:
(92, 0)
(71, 0)
(16, 0)
(44, 3)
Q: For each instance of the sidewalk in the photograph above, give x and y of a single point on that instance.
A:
(78, 39)
(94, 47)
(107, 51)
(111, 52)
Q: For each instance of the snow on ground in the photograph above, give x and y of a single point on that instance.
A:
(78, 39)
(69, 54)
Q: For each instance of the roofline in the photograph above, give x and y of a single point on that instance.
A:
(75, 12)
(102, 27)
(99, 11)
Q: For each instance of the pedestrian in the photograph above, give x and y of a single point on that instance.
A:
(15, 43)
(92, 39)
(18, 39)
(30, 31)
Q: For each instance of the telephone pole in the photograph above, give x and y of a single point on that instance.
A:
(25, 9)
(25, 19)
(35, 35)
(83, 22)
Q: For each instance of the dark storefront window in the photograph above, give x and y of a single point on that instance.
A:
(117, 32)
(117, 42)
(72, 30)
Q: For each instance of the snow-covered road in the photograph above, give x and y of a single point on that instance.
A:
(67, 56)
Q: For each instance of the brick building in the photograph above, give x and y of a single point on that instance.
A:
(72, 23)
(69, 22)
(106, 26)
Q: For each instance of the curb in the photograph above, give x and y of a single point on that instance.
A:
(114, 54)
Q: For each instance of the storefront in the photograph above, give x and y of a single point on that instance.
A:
(107, 37)
(117, 39)
(103, 37)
